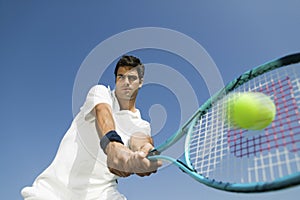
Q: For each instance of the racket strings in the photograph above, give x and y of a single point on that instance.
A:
(223, 153)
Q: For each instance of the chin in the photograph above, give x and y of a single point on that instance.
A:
(127, 96)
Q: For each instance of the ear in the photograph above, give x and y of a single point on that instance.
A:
(141, 82)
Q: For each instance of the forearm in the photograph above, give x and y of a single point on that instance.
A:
(106, 127)
(117, 153)
(104, 119)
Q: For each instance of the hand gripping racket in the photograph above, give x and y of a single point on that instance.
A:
(239, 160)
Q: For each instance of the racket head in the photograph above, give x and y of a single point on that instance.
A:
(240, 160)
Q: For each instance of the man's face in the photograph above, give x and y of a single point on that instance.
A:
(127, 83)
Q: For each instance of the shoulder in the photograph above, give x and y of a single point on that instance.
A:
(100, 91)
(96, 95)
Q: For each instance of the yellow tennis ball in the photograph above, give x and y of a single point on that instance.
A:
(250, 110)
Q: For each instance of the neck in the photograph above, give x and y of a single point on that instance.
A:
(127, 104)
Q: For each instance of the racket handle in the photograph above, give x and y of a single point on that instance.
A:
(153, 152)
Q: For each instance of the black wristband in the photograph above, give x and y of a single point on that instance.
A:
(111, 136)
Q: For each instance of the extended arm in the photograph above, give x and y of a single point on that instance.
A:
(121, 160)
(117, 153)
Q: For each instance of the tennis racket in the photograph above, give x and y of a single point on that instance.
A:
(239, 160)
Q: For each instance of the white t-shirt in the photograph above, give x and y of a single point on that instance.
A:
(79, 170)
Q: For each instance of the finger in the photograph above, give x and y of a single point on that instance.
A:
(147, 148)
(146, 174)
(141, 155)
(143, 174)
(146, 167)
(119, 173)
(142, 165)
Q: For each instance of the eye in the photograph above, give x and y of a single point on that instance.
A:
(132, 78)
(120, 76)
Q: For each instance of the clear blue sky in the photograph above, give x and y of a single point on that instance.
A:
(44, 43)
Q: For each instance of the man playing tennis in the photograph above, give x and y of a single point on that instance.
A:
(86, 169)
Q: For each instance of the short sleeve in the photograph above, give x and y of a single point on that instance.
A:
(97, 94)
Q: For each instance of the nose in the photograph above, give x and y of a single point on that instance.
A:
(126, 80)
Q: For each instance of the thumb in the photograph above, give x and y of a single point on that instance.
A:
(141, 154)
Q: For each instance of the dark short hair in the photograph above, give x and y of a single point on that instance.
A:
(132, 61)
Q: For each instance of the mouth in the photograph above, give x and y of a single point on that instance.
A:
(126, 89)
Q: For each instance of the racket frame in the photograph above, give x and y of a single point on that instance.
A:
(186, 129)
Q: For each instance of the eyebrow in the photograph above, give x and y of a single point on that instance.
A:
(126, 73)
